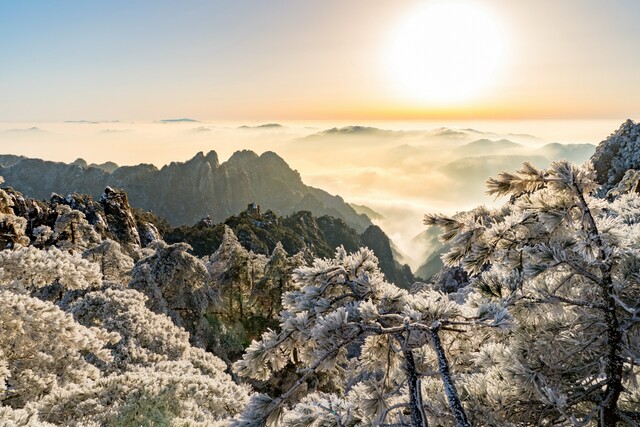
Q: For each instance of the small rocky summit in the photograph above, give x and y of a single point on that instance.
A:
(119, 217)
(617, 159)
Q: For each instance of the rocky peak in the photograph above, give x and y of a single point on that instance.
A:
(617, 154)
(212, 159)
(243, 158)
(184, 192)
(198, 158)
(80, 162)
(119, 216)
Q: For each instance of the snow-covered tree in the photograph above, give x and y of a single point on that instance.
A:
(41, 346)
(28, 268)
(276, 280)
(374, 339)
(42, 234)
(566, 265)
(114, 264)
(156, 376)
(234, 271)
(44, 348)
(72, 231)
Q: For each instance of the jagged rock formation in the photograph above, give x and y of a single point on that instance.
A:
(185, 192)
(299, 232)
(630, 182)
(10, 159)
(106, 166)
(616, 155)
(118, 215)
(111, 218)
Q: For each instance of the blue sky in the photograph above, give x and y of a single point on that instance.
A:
(144, 60)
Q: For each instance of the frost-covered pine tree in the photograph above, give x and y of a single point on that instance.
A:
(27, 269)
(155, 376)
(72, 231)
(566, 265)
(276, 280)
(115, 265)
(98, 356)
(380, 345)
(231, 272)
(41, 346)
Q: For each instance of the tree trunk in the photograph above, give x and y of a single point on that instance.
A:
(449, 387)
(418, 417)
(614, 363)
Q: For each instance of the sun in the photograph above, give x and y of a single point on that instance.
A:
(445, 53)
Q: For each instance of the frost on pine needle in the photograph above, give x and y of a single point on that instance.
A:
(28, 268)
(559, 268)
(44, 348)
(344, 320)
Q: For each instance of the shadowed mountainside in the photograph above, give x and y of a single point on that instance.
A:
(300, 232)
(184, 192)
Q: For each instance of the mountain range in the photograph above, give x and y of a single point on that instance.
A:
(185, 192)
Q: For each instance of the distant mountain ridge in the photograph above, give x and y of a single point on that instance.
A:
(185, 192)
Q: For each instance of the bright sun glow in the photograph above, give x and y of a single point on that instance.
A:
(446, 52)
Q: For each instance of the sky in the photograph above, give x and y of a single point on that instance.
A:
(316, 60)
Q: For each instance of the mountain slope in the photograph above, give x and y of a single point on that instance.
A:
(185, 192)
(300, 232)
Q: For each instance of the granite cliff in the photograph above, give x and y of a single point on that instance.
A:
(617, 158)
(184, 192)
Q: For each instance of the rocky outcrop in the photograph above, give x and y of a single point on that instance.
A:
(111, 218)
(119, 217)
(616, 155)
(148, 233)
(34, 211)
(92, 210)
(260, 232)
(177, 284)
(185, 192)
(630, 182)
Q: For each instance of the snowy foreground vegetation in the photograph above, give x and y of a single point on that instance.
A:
(533, 321)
